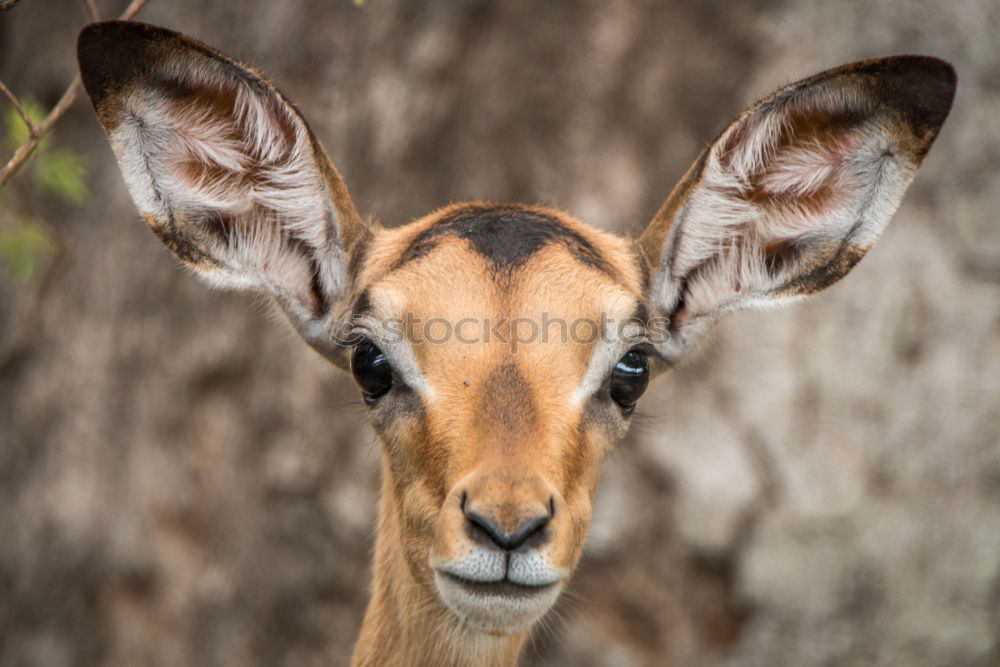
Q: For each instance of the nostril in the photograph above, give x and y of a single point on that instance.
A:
(530, 528)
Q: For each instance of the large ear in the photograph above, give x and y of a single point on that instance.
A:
(794, 192)
(224, 170)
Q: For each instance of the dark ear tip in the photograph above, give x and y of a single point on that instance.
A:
(930, 73)
(117, 30)
(921, 87)
(111, 53)
(108, 34)
(930, 66)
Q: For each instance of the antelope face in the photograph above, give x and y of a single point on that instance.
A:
(501, 349)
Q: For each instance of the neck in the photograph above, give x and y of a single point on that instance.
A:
(406, 623)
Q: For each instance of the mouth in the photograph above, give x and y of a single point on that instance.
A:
(503, 588)
(500, 607)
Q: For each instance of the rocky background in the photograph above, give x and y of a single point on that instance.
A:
(182, 482)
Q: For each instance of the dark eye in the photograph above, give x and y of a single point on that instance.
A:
(629, 379)
(371, 370)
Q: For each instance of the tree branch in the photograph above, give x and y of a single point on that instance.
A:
(32, 130)
(131, 10)
(23, 152)
(92, 8)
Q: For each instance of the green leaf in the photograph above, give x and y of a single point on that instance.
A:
(17, 132)
(26, 248)
(62, 173)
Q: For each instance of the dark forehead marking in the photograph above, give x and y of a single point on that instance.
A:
(507, 235)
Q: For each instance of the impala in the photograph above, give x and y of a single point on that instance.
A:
(491, 445)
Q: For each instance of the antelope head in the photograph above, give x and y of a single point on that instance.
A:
(500, 349)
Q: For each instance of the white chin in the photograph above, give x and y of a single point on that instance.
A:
(497, 609)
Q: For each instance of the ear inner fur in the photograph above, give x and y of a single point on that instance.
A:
(795, 191)
(225, 170)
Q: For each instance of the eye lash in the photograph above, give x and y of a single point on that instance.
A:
(645, 347)
(650, 349)
(358, 336)
(361, 332)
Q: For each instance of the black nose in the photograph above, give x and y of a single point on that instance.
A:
(532, 529)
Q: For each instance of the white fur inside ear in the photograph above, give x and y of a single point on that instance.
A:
(808, 169)
(230, 159)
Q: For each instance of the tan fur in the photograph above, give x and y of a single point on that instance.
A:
(462, 442)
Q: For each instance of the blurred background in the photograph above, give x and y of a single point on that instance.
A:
(183, 482)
